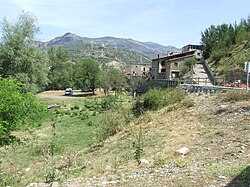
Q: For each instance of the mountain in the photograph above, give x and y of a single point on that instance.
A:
(74, 41)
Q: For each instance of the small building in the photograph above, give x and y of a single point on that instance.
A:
(191, 47)
(138, 70)
(170, 67)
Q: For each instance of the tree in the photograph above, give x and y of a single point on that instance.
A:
(19, 58)
(134, 83)
(87, 74)
(60, 69)
(17, 110)
(113, 78)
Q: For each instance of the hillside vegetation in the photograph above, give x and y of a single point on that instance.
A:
(98, 142)
(227, 47)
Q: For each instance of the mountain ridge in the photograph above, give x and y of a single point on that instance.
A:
(150, 49)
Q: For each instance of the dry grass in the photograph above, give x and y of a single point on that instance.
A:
(215, 131)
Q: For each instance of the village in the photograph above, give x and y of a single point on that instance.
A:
(167, 71)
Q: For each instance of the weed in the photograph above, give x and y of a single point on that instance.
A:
(159, 161)
(138, 148)
(181, 163)
(51, 175)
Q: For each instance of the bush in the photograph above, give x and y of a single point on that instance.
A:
(236, 95)
(158, 98)
(108, 102)
(138, 108)
(17, 110)
(109, 126)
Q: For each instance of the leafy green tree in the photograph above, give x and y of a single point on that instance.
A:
(117, 79)
(17, 110)
(19, 58)
(87, 74)
(113, 78)
(60, 69)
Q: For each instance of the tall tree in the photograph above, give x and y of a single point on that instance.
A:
(19, 58)
(60, 69)
(112, 78)
(87, 74)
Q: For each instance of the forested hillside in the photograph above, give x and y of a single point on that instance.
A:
(227, 47)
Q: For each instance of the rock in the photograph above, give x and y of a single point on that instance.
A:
(222, 177)
(108, 167)
(144, 161)
(223, 106)
(53, 106)
(183, 150)
(27, 169)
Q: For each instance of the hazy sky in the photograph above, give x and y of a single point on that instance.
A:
(168, 22)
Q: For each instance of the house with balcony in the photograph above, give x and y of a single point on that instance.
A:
(170, 67)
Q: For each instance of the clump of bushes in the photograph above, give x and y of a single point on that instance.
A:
(236, 95)
(108, 102)
(17, 110)
(158, 98)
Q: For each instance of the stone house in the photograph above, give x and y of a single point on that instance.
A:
(142, 70)
(170, 67)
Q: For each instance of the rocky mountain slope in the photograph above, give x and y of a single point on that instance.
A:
(74, 41)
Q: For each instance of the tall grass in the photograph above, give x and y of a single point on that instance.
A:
(235, 95)
(158, 98)
(81, 126)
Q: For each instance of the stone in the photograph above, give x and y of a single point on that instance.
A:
(144, 161)
(108, 167)
(53, 106)
(222, 177)
(27, 169)
(183, 150)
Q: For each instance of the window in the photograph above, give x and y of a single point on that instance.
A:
(163, 70)
(176, 64)
(163, 63)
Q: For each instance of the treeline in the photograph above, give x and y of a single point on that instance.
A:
(52, 69)
(26, 69)
(218, 41)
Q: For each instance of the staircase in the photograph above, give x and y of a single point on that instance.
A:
(201, 76)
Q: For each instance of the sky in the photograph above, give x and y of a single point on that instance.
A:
(167, 22)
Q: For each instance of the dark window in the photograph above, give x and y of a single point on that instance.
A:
(163, 70)
(176, 64)
(163, 63)
(144, 69)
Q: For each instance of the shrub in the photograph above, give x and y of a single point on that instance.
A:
(108, 102)
(158, 98)
(109, 126)
(235, 95)
(138, 108)
(17, 110)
